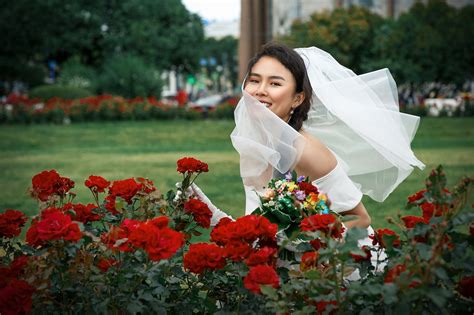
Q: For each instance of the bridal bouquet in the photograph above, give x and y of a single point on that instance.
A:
(288, 201)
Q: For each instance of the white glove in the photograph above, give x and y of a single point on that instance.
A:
(217, 214)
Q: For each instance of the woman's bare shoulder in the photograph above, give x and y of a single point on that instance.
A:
(316, 160)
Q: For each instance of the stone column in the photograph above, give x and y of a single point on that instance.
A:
(254, 30)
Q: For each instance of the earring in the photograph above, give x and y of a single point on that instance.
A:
(292, 111)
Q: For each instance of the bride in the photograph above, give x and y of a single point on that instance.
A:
(301, 110)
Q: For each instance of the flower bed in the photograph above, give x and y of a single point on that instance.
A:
(129, 251)
(20, 109)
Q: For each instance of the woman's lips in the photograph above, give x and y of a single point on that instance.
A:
(266, 103)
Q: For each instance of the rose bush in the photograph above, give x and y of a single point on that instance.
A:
(130, 252)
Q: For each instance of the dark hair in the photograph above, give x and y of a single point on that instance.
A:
(293, 62)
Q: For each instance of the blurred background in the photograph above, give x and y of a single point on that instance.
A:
(125, 88)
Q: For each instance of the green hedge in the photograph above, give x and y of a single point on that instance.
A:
(46, 92)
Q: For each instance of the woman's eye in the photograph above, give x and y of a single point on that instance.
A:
(276, 83)
(253, 81)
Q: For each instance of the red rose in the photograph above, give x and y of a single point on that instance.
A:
(191, 165)
(48, 183)
(54, 225)
(15, 298)
(125, 189)
(159, 241)
(247, 229)
(110, 205)
(220, 234)
(325, 223)
(105, 263)
(263, 256)
(317, 244)
(160, 222)
(145, 185)
(202, 257)
(322, 305)
(11, 222)
(378, 238)
(57, 225)
(308, 188)
(237, 251)
(82, 213)
(44, 184)
(16, 269)
(411, 221)
(309, 260)
(116, 239)
(261, 275)
(200, 211)
(365, 257)
(466, 287)
(417, 196)
(394, 272)
(97, 183)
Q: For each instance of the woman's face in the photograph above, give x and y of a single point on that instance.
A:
(273, 84)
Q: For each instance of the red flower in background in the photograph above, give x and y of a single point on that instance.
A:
(82, 213)
(145, 185)
(237, 251)
(308, 188)
(264, 256)
(325, 223)
(110, 205)
(159, 241)
(54, 225)
(466, 287)
(105, 263)
(203, 256)
(11, 222)
(261, 275)
(200, 211)
(394, 272)
(417, 196)
(309, 260)
(322, 305)
(411, 221)
(16, 269)
(378, 238)
(97, 183)
(16, 297)
(191, 165)
(247, 229)
(48, 183)
(365, 257)
(125, 189)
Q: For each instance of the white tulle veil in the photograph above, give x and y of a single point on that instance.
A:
(356, 116)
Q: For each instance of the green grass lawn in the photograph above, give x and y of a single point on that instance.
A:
(150, 149)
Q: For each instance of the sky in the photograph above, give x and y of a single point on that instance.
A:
(215, 10)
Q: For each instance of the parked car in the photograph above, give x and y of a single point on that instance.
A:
(207, 102)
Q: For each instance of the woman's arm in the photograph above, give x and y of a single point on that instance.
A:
(363, 220)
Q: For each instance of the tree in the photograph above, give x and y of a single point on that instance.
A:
(345, 33)
(162, 32)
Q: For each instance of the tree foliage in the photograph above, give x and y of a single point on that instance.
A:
(163, 33)
(430, 42)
